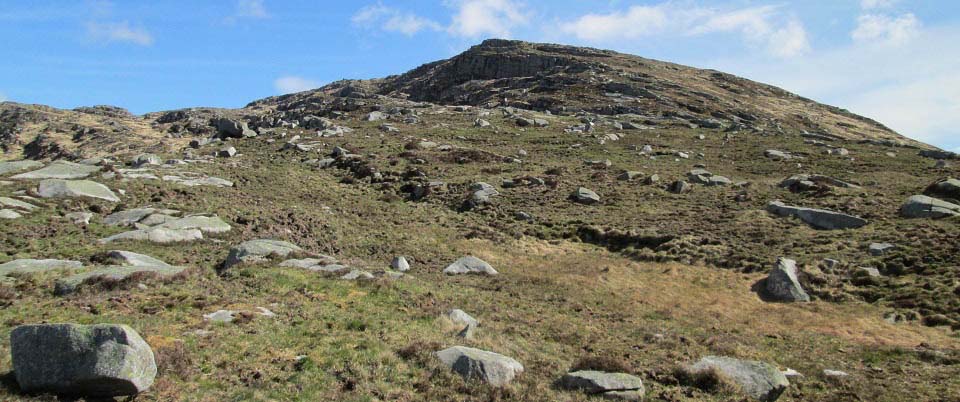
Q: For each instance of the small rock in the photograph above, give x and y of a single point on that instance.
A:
(399, 263)
(469, 265)
(585, 196)
(878, 249)
(782, 283)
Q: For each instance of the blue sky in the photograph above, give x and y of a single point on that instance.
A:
(897, 61)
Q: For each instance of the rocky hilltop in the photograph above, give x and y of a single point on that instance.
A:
(520, 222)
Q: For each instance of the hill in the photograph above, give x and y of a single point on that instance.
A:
(640, 215)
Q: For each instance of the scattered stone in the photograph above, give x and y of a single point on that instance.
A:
(201, 181)
(834, 373)
(28, 266)
(614, 386)
(59, 170)
(54, 188)
(652, 179)
(679, 187)
(157, 235)
(224, 316)
(128, 258)
(9, 214)
(259, 250)
(818, 218)
(118, 273)
(475, 364)
(357, 274)
(206, 224)
(783, 284)
(761, 381)
(79, 218)
(234, 128)
(95, 361)
(469, 265)
(375, 116)
(921, 206)
(540, 123)
(481, 123)
(128, 217)
(585, 196)
(948, 189)
(460, 317)
(227, 152)
(18, 166)
(400, 263)
(629, 175)
(778, 155)
(701, 176)
(878, 249)
(871, 272)
(145, 159)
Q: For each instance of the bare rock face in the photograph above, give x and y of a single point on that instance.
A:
(102, 360)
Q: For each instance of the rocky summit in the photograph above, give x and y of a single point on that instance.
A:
(522, 221)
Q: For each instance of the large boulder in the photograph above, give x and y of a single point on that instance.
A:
(475, 364)
(259, 250)
(783, 285)
(761, 381)
(234, 128)
(921, 206)
(615, 386)
(818, 218)
(55, 188)
(469, 265)
(97, 361)
(948, 189)
(60, 170)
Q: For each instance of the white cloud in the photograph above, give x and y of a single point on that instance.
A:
(874, 4)
(914, 89)
(291, 83)
(761, 25)
(636, 22)
(118, 32)
(789, 41)
(392, 20)
(877, 28)
(249, 9)
(477, 18)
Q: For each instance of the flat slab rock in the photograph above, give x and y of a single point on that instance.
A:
(470, 265)
(28, 266)
(259, 250)
(475, 364)
(97, 361)
(157, 235)
(18, 166)
(9, 214)
(818, 218)
(55, 188)
(70, 284)
(616, 386)
(759, 380)
(199, 181)
(59, 170)
(206, 224)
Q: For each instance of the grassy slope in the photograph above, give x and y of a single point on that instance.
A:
(554, 302)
